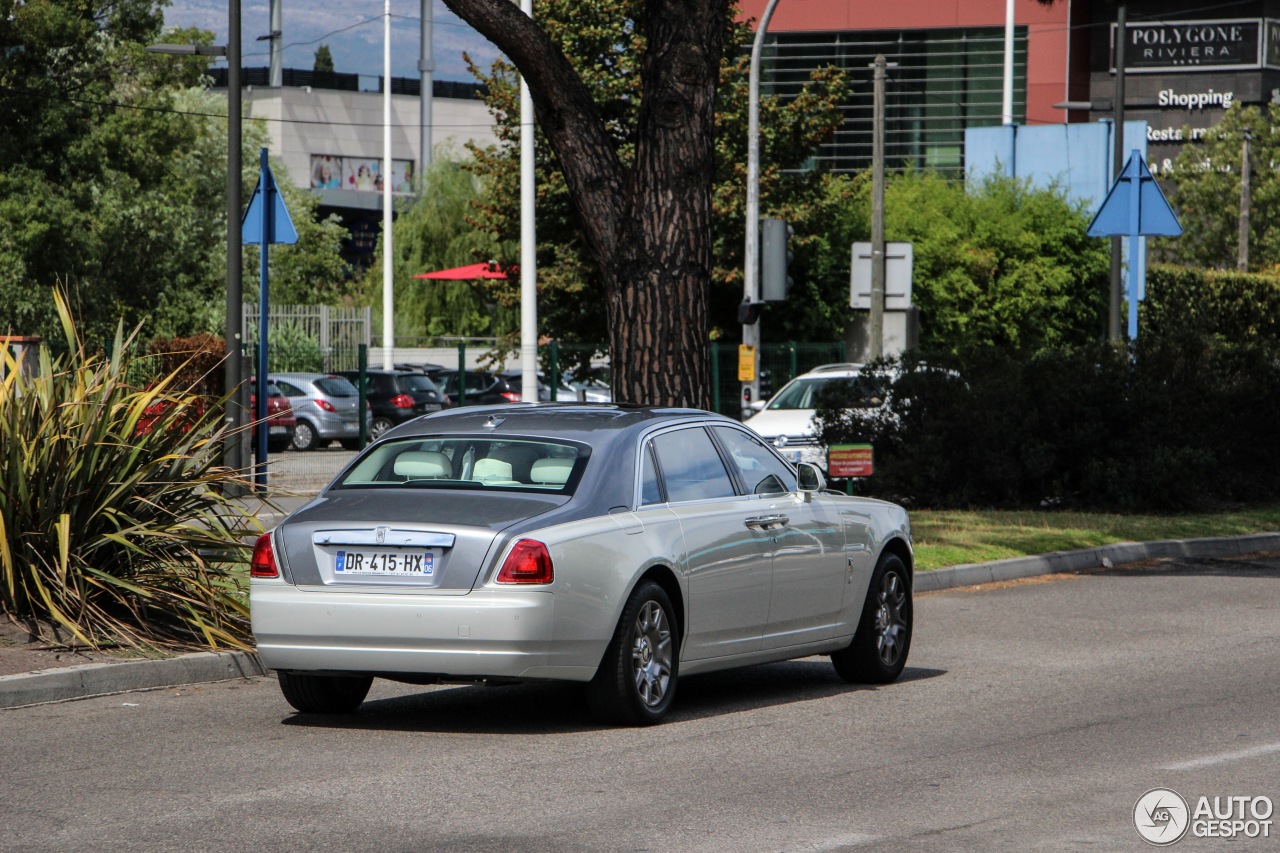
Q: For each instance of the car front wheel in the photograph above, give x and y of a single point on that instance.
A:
(636, 682)
(324, 694)
(878, 652)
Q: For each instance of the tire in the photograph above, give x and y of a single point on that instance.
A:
(879, 649)
(324, 694)
(304, 436)
(636, 682)
(378, 427)
(277, 446)
(350, 443)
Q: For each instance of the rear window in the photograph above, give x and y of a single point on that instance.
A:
(417, 382)
(471, 463)
(336, 386)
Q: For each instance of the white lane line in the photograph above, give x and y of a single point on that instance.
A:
(1225, 758)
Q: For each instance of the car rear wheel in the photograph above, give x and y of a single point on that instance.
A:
(277, 446)
(304, 436)
(636, 682)
(324, 694)
(378, 427)
(879, 649)
(350, 443)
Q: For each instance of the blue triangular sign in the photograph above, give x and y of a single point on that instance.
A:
(1119, 216)
(281, 226)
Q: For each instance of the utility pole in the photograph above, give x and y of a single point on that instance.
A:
(426, 68)
(1246, 166)
(1117, 286)
(234, 455)
(877, 213)
(751, 253)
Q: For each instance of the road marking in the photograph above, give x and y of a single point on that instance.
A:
(1224, 758)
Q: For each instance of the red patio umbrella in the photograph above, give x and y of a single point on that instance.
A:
(467, 273)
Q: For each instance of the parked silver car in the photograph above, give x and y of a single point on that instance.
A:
(612, 545)
(327, 408)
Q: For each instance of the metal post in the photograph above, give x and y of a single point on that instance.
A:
(877, 213)
(1246, 167)
(233, 373)
(528, 240)
(388, 215)
(277, 43)
(363, 386)
(751, 253)
(715, 377)
(426, 70)
(554, 377)
(267, 187)
(1113, 314)
(1006, 108)
(462, 373)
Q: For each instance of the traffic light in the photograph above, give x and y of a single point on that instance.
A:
(775, 260)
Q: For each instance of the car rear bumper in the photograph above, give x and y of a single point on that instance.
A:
(486, 633)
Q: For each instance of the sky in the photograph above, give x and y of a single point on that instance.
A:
(352, 28)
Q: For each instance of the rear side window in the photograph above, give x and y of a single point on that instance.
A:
(336, 386)
(691, 466)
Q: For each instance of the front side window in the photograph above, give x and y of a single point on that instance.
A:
(471, 463)
(691, 466)
(761, 471)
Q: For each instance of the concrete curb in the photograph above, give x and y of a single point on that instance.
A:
(100, 679)
(1093, 558)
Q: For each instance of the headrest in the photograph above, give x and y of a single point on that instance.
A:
(491, 469)
(423, 465)
(551, 472)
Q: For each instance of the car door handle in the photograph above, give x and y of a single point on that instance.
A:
(767, 522)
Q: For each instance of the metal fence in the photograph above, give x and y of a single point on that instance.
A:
(339, 332)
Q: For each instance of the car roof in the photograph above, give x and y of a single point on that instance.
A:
(593, 424)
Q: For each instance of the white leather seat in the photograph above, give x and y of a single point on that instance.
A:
(551, 472)
(423, 465)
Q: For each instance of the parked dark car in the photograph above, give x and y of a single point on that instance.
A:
(396, 396)
(483, 389)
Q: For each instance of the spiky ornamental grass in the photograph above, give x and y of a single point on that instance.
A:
(117, 524)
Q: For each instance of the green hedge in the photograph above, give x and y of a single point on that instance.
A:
(1231, 306)
(1174, 423)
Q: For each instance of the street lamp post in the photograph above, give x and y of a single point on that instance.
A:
(233, 455)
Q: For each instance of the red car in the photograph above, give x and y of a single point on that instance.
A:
(280, 420)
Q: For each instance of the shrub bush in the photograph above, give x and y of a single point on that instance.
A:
(108, 533)
(1174, 423)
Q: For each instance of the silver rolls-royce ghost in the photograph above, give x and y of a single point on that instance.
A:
(611, 545)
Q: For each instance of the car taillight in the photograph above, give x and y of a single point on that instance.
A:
(528, 562)
(263, 564)
(326, 405)
(511, 396)
(402, 401)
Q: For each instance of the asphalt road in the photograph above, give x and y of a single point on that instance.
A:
(1031, 717)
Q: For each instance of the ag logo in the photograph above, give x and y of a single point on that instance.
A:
(1161, 816)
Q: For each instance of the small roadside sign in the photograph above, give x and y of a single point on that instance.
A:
(850, 460)
(746, 363)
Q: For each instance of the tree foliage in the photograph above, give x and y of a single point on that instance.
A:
(113, 175)
(439, 231)
(607, 48)
(1206, 192)
(996, 263)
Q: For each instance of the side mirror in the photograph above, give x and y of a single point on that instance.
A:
(757, 405)
(810, 479)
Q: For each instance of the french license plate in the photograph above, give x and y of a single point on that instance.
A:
(404, 563)
(278, 430)
(795, 456)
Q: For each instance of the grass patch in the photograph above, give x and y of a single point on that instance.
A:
(954, 537)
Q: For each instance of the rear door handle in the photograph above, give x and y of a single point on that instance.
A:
(767, 522)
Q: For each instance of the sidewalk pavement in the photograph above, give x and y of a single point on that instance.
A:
(100, 679)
